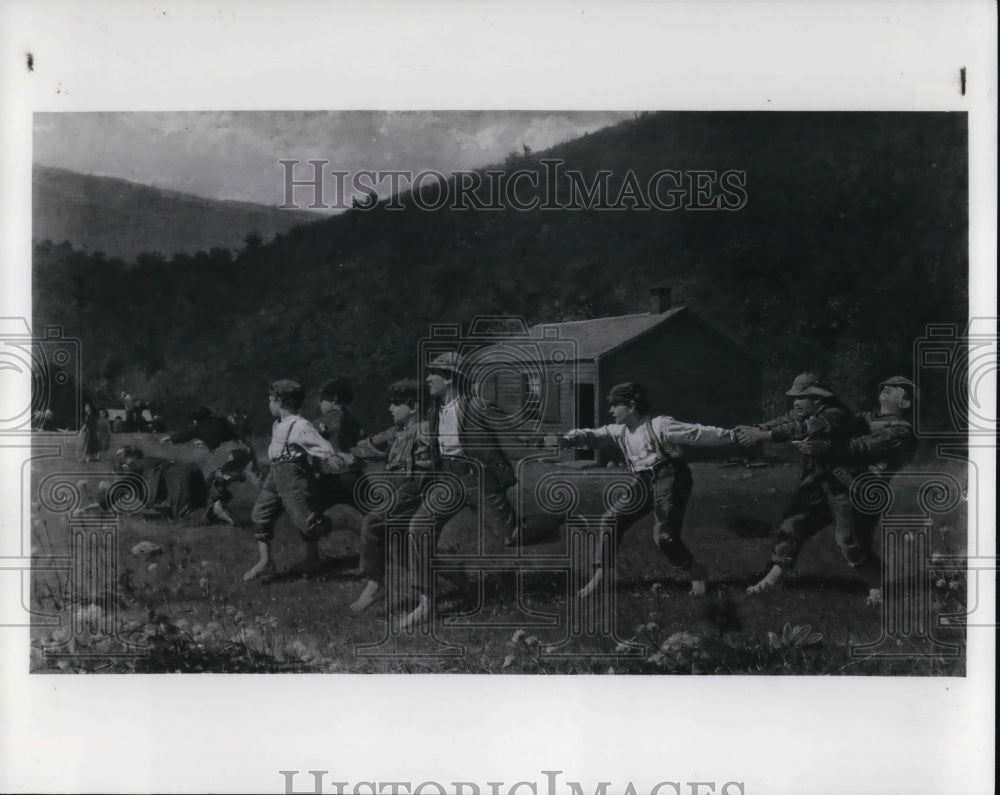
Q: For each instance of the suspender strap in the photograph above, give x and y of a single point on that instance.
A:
(286, 454)
(665, 457)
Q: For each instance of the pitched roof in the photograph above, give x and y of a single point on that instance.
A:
(597, 337)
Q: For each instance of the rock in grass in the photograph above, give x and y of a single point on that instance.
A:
(146, 549)
(681, 642)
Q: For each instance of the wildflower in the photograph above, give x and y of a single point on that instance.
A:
(652, 626)
(507, 661)
(937, 557)
(230, 610)
(940, 583)
(656, 658)
(945, 622)
(204, 564)
(531, 641)
(953, 585)
(611, 669)
(197, 629)
(518, 635)
(183, 624)
(656, 587)
(152, 567)
(203, 582)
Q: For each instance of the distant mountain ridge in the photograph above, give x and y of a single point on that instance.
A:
(124, 219)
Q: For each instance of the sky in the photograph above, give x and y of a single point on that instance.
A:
(234, 155)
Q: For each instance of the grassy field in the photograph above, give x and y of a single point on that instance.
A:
(188, 609)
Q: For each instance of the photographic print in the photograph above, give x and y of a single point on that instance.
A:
(481, 399)
(502, 392)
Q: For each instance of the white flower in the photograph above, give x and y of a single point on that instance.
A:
(518, 635)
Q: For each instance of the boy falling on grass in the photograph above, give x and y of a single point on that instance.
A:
(404, 448)
(653, 448)
(818, 421)
(289, 485)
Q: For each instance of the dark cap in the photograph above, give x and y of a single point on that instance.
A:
(809, 385)
(629, 392)
(338, 389)
(898, 380)
(446, 361)
(405, 391)
(288, 391)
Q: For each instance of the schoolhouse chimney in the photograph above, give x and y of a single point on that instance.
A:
(660, 299)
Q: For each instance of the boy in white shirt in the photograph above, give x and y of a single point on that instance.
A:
(653, 448)
(287, 487)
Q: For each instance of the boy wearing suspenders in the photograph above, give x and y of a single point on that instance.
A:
(652, 447)
(288, 485)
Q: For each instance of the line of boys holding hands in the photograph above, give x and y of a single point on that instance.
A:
(836, 447)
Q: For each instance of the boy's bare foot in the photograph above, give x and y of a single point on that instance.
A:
(697, 574)
(771, 579)
(874, 597)
(418, 615)
(593, 585)
(262, 568)
(372, 592)
(219, 512)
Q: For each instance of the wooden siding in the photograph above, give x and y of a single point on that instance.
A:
(689, 373)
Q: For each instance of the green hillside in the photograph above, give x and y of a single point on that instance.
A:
(852, 239)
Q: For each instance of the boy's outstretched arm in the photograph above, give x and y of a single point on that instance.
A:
(693, 434)
(585, 437)
(374, 448)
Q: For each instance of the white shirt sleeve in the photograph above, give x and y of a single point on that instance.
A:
(307, 437)
(585, 437)
(670, 431)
